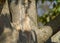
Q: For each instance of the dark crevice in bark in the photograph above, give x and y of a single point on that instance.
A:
(26, 4)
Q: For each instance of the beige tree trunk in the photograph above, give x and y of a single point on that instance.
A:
(24, 24)
(19, 15)
(24, 17)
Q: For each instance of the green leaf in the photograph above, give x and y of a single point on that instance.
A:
(57, 0)
(43, 1)
(58, 9)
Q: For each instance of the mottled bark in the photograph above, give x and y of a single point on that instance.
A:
(24, 24)
(5, 9)
(24, 17)
(1, 4)
(19, 13)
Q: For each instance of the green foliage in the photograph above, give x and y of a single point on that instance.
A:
(51, 14)
(42, 1)
(57, 0)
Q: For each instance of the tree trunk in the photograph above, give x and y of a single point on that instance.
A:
(24, 24)
(24, 17)
(23, 13)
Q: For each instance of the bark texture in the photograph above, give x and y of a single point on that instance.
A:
(23, 26)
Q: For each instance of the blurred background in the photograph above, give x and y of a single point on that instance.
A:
(49, 14)
(47, 10)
